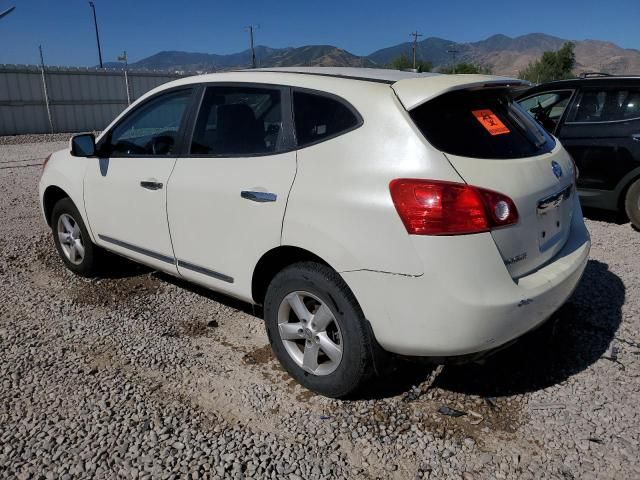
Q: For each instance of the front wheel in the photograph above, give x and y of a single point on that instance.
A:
(72, 239)
(317, 329)
(632, 204)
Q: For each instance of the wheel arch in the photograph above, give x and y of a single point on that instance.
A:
(274, 261)
(625, 184)
(52, 195)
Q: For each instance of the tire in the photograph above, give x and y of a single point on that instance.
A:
(632, 204)
(327, 299)
(66, 218)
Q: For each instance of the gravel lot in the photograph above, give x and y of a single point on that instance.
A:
(140, 375)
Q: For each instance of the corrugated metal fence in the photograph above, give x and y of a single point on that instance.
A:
(79, 99)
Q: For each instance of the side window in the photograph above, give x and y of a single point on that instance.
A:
(238, 121)
(547, 108)
(595, 106)
(152, 129)
(630, 105)
(318, 117)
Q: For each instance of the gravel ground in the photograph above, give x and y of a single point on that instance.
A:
(139, 375)
(33, 139)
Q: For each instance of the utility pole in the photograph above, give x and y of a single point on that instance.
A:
(453, 51)
(415, 36)
(251, 29)
(123, 58)
(45, 90)
(95, 24)
(7, 12)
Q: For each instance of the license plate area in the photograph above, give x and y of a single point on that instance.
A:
(553, 214)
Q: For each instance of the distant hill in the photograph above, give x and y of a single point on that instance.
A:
(507, 56)
(310, 55)
(432, 49)
(316, 55)
(504, 55)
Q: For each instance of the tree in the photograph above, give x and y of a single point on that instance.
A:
(551, 66)
(403, 62)
(466, 68)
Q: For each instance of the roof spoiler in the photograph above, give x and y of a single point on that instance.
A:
(413, 92)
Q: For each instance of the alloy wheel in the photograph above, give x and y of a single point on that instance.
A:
(310, 333)
(70, 238)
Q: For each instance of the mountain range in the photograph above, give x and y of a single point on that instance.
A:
(502, 54)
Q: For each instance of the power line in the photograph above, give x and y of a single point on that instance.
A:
(415, 36)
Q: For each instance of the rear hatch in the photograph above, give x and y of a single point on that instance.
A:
(494, 144)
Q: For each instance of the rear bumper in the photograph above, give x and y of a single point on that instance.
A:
(466, 302)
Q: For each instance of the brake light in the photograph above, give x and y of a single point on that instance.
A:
(434, 207)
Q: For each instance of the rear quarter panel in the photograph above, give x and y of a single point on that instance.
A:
(340, 207)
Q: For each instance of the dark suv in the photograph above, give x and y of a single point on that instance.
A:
(597, 118)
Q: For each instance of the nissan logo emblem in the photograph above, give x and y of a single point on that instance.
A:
(556, 168)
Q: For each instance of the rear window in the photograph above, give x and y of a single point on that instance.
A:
(481, 124)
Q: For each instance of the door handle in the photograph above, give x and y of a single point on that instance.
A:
(636, 137)
(260, 197)
(151, 185)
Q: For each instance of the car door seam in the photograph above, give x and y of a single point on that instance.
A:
(286, 203)
(166, 211)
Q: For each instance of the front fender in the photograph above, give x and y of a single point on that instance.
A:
(65, 172)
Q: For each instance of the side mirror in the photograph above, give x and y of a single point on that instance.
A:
(83, 145)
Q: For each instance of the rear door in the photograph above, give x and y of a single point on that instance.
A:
(494, 144)
(227, 196)
(602, 134)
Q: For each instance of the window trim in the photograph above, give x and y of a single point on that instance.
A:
(287, 120)
(566, 110)
(332, 96)
(106, 138)
(582, 90)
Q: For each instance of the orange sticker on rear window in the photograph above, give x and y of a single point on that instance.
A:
(490, 122)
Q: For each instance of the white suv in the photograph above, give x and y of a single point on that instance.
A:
(366, 210)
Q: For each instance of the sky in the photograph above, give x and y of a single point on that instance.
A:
(143, 27)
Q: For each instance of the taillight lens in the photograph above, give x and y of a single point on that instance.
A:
(433, 207)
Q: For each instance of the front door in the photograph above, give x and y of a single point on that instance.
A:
(227, 196)
(125, 188)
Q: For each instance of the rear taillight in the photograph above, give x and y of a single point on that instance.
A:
(433, 207)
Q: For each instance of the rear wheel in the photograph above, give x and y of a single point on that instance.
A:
(72, 239)
(632, 203)
(317, 329)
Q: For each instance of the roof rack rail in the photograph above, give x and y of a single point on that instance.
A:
(595, 74)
